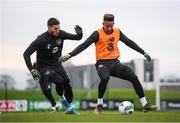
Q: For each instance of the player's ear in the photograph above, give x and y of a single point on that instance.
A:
(50, 27)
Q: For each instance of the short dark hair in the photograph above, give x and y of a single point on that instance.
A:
(52, 21)
(108, 17)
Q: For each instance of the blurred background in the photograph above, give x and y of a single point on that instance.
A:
(153, 24)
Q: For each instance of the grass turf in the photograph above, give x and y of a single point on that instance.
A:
(88, 116)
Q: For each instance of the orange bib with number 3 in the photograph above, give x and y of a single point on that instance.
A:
(106, 46)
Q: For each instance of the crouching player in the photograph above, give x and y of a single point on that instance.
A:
(48, 47)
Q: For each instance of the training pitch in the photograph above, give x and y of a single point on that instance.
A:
(88, 116)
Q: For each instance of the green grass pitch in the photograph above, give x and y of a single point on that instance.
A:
(88, 116)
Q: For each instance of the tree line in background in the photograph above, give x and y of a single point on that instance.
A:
(8, 82)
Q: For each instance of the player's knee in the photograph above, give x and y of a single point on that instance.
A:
(47, 87)
(46, 90)
(133, 78)
(105, 79)
(101, 68)
(103, 73)
(67, 80)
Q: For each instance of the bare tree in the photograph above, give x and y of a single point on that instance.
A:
(8, 80)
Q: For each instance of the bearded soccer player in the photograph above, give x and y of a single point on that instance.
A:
(48, 47)
(107, 54)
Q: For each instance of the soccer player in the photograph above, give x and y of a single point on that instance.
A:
(48, 69)
(107, 54)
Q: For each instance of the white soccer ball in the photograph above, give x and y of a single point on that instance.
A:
(126, 108)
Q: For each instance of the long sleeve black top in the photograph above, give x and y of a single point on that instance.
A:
(48, 48)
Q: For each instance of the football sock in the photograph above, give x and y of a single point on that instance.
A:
(143, 101)
(65, 103)
(54, 107)
(100, 101)
(70, 107)
(62, 97)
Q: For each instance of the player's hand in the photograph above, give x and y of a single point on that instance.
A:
(64, 58)
(78, 29)
(147, 56)
(36, 74)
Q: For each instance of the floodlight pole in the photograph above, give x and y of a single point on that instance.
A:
(157, 80)
(87, 81)
(6, 95)
(87, 78)
(158, 95)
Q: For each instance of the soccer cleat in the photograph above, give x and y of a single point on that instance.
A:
(54, 108)
(72, 111)
(149, 107)
(98, 109)
(65, 104)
